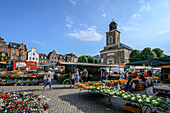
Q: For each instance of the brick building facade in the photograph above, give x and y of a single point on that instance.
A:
(4, 50)
(18, 51)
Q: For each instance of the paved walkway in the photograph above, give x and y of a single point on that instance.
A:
(69, 101)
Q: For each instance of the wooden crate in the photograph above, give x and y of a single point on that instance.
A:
(131, 109)
(140, 86)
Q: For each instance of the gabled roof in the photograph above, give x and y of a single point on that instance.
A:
(15, 45)
(125, 46)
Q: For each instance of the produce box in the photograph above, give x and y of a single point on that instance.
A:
(140, 86)
(132, 109)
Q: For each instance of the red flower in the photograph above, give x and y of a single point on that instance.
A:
(10, 109)
(19, 108)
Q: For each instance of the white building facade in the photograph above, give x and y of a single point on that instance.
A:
(33, 56)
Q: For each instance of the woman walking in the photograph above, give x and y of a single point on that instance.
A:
(76, 76)
(49, 77)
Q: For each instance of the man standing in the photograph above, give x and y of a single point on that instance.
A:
(49, 77)
(129, 82)
(85, 75)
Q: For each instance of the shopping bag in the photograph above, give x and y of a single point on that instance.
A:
(133, 85)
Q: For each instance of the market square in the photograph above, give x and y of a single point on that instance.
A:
(84, 56)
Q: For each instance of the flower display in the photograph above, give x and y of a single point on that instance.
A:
(19, 102)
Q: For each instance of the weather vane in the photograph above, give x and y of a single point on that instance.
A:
(112, 20)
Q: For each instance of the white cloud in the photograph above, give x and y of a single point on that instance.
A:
(68, 25)
(145, 7)
(84, 25)
(39, 43)
(89, 34)
(104, 15)
(69, 22)
(164, 31)
(135, 15)
(73, 2)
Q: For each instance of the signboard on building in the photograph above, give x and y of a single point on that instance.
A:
(24, 64)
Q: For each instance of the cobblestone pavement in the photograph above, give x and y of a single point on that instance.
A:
(68, 100)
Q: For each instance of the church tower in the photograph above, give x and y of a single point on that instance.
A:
(114, 52)
(113, 36)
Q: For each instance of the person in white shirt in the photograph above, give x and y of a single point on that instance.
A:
(122, 75)
(49, 77)
(27, 70)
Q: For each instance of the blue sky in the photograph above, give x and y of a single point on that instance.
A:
(79, 26)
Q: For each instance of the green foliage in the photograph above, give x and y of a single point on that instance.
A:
(91, 60)
(41, 63)
(158, 52)
(134, 56)
(165, 55)
(83, 59)
(96, 61)
(147, 54)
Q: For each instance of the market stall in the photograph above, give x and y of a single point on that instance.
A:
(19, 78)
(142, 101)
(93, 70)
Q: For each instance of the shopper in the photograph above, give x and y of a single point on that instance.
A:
(135, 74)
(126, 74)
(101, 75)
(85, 75)
(27, 70)
(122, 75)
(129, 82)
(49, 77)
(76, 77)
(141, 76)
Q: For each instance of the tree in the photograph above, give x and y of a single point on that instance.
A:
(83, 59)
(158, 52)
(96, 61)
(91, 59)
(134, 56)
(147, 54)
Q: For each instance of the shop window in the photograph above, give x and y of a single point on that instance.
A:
(15, 57)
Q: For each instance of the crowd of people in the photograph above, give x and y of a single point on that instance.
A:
(83, 76)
